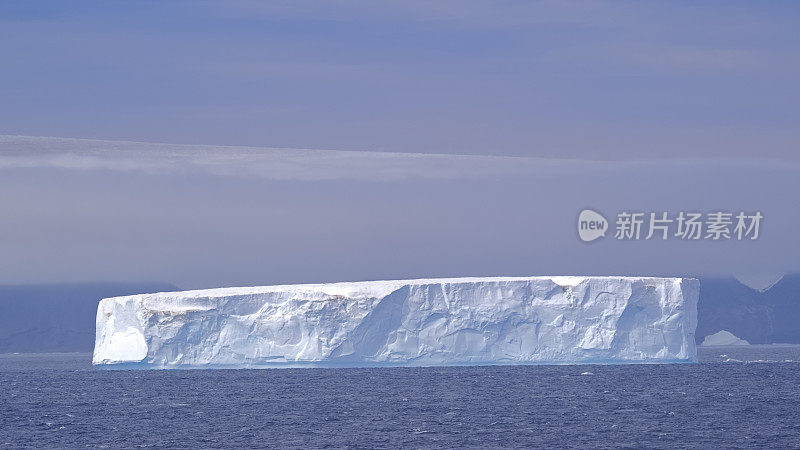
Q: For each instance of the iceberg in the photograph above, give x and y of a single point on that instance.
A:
(722, 338)
(426, 322)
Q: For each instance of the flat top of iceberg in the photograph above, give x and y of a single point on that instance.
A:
(379, 287)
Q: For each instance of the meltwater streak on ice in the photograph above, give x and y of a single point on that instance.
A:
(458, 321)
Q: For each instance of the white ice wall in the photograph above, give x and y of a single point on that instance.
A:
(557, 320)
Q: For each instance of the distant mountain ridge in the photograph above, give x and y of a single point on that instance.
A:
(760, 317)
(57, 317)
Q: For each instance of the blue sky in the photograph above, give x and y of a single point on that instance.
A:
(565, 79)
(689, 105)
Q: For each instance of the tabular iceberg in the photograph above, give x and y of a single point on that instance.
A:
(458, 321)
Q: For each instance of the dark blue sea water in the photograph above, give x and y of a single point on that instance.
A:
(60, 401)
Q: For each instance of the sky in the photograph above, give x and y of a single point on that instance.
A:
(205, 216)
(616, 80)
(238, 143)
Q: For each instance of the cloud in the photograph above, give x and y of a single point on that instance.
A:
(268, 163)
(306, 164)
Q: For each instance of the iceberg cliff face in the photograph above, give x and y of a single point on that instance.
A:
(558, 320)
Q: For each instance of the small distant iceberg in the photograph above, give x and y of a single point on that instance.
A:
(722, 338)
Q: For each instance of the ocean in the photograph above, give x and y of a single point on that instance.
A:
(735, 397)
